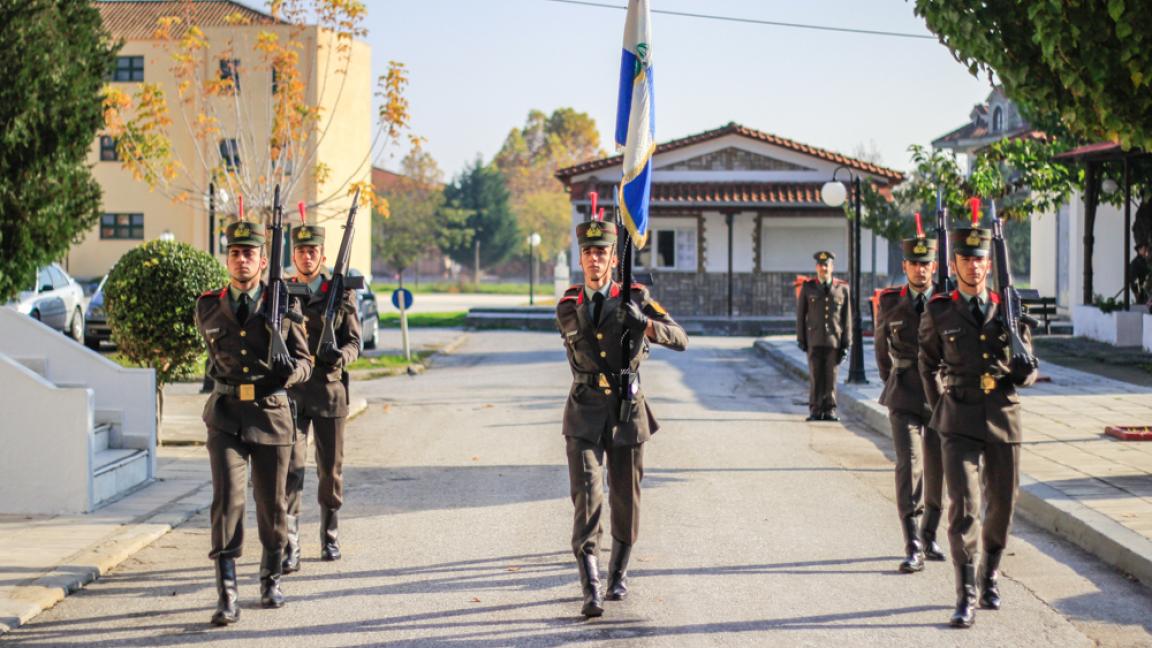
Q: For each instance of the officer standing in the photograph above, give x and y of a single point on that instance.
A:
(919, 473)
(322, 401)
(970, 378)
(593, 319)
(249, 417)
(822, 331)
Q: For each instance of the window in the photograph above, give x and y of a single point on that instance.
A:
(669, 249)
(108, 149)
(125, 227)
(230, 153)
(230, 71)
(275, 80)
(128, 68)
(58, 279)
(43, 280)
(997, 120)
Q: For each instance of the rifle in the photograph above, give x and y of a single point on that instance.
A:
(1011, 310)
(627, 380)
(276, 302)
(943, 282)
(339, 281)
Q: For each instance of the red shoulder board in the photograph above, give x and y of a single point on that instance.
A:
(638, 286)
(839, 282)
(208, 293)
(890, 291)
(614, 291)
(567, 298)
(940, 296)
(904, 290)
(324, 287)
(994, 296)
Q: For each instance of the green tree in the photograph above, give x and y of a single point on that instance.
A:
(58, 54)
(478, 218)
(413, 224)
(1086, 65)
(529, 159)
(150, 297)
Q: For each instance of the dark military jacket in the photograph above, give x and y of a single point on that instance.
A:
(822, 316)
(325, 394)
(897, 339)
(593, 403)
(964, 367)
(238, 355)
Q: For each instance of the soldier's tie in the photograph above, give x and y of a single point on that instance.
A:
(597, 306)
(920, 303)
(977, 313)
(242, 309)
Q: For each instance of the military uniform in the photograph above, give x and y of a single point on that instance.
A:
(592, 427)
(919, 473)
(250, 421)
(322, 404)
(824, 333)
(970, 381)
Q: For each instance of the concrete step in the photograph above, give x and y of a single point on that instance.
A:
(118, 471)
(102, 432)
(37, 364)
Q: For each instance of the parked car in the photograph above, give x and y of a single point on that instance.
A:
(369, 313)
(56, 300)
(96, 329)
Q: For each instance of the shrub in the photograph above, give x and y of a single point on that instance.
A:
(150, 299)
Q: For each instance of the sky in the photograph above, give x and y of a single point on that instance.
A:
(477, 67)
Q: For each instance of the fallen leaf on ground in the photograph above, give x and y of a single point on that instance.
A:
(474, 599)
(512, 569)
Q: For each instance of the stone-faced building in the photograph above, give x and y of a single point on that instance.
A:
(735, 215)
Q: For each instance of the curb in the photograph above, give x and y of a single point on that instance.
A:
(1037, 502)
(83, 567)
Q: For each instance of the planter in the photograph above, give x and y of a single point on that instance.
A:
(1148, 333)
(1119, 328)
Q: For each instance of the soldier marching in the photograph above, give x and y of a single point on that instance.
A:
(822, 331)
(593, 319)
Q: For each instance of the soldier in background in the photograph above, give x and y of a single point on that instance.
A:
(322, 401)
(970, 378)
(919, 473)
(249, 417)
(823, 332)
(593, 319)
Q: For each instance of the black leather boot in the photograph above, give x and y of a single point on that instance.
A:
(329, 534)
(590, 584)
(990, 585)
(227, 608)
(932, 551)
(830, 415)
(913, 551)
(965, 614)
(271, 565)
(292, 547)
(617, 589)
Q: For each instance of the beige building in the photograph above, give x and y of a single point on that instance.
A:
(132, 213)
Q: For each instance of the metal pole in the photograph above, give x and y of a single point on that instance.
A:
(404, 322)
(856, 362)
(1127, 232)
(212, 218)
(531, 276)
(728, 217)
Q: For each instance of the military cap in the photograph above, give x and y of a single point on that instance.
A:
(245, 233)
(919, 249)
(971, 241)
(307, 235)
(596, 233)
(823, 256)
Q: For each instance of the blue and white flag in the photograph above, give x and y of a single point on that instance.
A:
(636, 121)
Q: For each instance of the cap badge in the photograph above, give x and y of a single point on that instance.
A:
(973, 240)
(920, 248)
(242, 231)
(594, 231)
(304, 235)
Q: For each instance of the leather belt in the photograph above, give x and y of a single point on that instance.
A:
(590, 379)
(247, 391)
(984, 382)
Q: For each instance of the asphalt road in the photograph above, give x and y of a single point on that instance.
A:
(758, 529)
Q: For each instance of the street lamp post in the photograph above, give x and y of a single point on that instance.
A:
(533, 241)
(833, 193)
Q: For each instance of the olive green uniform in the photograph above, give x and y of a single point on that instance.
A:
(322, 404)
(824, 333)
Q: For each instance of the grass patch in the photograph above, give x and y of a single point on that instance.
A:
(396, 361)
(471, 288)
(191, 373)
(427, 320)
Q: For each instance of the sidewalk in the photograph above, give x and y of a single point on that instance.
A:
(1089, 488)
(43, 558)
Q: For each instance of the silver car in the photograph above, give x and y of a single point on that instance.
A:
(56, 300)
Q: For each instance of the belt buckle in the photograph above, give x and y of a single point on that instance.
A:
(987, 383)
(248, 392)
(602, 381)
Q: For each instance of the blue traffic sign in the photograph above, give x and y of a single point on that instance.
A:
(402, 293)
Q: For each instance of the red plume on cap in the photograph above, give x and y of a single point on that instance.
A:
(919, 226)
(594, 197)
(974, 205)
(300, 206)
(240, 206)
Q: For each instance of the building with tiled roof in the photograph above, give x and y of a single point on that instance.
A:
(734, 206)
(996, 119)
(137, 19)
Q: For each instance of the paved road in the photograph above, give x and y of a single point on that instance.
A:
(758, 529)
